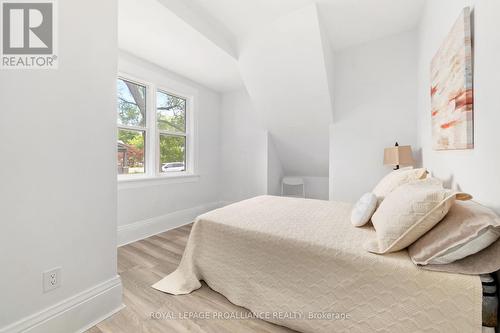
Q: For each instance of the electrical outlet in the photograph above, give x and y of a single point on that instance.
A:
(51, 279)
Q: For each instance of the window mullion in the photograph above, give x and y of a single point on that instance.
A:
(132, 128)
(171, 133)
(151, 132)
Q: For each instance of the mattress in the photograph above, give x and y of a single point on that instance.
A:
(301, 264)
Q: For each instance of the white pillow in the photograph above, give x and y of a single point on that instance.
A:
(363, 209)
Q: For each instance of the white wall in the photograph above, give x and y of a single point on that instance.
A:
(58, 177)
(251, 165)
(159, 203)
(474, 171)
(316, 187)
(274, 168)
(374, 106)
(243, 142)
(328, 53)
(283, 68)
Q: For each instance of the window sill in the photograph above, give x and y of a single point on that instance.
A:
(144, 181)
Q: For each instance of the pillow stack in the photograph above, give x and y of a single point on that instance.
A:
(442, 230)
(408, 212)
(366, 206)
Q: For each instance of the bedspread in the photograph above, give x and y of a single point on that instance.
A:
(301, 264)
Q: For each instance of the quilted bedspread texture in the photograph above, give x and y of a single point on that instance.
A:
(302, 261)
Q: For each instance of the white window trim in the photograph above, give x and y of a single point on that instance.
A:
(143, 181)
(152, 175)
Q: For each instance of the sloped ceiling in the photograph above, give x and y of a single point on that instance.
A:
(353, 22)
(208, 34)
(151, 31)
(349, 22)
(283, 69)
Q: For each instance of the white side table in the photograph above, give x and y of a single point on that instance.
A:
(293, 181)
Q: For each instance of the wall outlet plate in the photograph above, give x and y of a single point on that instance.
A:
(51, 279)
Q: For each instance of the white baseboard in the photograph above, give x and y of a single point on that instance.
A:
(75, 314)
(142, 229)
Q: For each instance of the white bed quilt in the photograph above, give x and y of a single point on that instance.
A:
(299, 256)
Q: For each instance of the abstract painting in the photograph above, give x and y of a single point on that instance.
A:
(451, 89)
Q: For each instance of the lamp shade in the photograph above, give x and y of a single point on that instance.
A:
(398, 155)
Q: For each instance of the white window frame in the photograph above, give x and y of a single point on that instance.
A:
(144, 129)
(152, 172)
(187, 134)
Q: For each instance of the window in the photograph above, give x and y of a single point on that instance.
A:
(171, 123)
(153, 137)
(131, 127)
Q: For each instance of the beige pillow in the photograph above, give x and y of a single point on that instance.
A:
(467, 229)
(483, 262)
(397, 178)
(409, 212)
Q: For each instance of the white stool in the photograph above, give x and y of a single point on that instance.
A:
(293, 181)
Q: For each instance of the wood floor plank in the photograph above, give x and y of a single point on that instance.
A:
(94, 329)
(154, 250)
(143, 263)
(174, 239)
(174, 251)
(124, 262)
(138, 257)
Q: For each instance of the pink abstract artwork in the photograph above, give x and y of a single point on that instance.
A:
(451, 89)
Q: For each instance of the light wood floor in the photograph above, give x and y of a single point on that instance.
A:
(143, 263)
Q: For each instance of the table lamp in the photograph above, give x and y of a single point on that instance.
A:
(398, 155)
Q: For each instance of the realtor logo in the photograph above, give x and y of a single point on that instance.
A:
(28, 34)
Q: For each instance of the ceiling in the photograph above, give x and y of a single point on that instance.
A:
(201, 39)
(352, 22)
(348, 22)
(149, 30)
(240, 17)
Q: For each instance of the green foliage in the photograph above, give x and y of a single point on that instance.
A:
(172, 148)
(131, 138)
(171, 112)
(129, 114)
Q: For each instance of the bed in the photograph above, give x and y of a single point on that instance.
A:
(301, 264)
